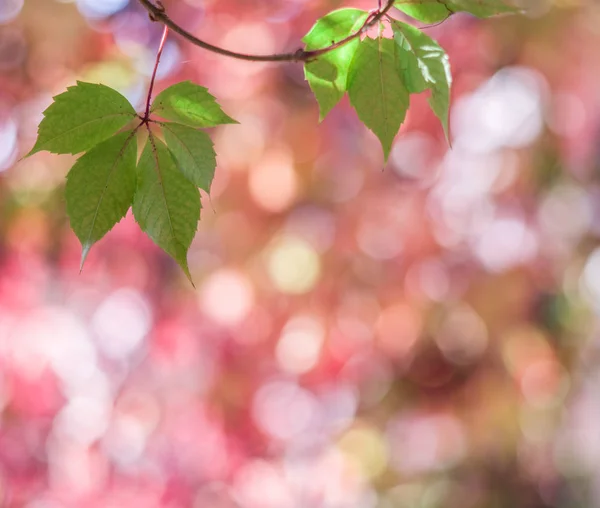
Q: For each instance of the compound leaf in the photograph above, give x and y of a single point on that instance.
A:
(327, 74)
(189, 104)
(166, 205)
(82, 117)
(424, 64)
(376, 89)
(193, 150)
(100, 188)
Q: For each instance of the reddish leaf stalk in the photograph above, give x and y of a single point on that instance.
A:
(146, 117)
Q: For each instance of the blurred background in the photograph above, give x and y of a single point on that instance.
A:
(418, 335)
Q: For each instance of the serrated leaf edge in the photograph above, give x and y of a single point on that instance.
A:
(87, 245)
(154, 151)
(156, 108)
(166, 125)
(397, 25)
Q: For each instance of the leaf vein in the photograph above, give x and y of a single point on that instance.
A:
(103, 193)
(84, 124)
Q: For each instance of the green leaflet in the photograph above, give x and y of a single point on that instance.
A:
(376, 89)
(424, 64)
(427, 11)
(408, 64)
(166, 205)
(82, 117)
(193, 150)
(434, 11)
(189, 104)
(100, 188)
(483, 8)
(327, 74)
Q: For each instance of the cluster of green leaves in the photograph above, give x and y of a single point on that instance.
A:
(380, 74)
(161, 185)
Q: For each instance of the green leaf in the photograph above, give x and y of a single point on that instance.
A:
(434, 11)
(193, 150)
(100, 188)
(189, 104)
(425, 65)
(327, 74)
(377, 91)
(82, 117)
(166, 205)
(427, 11)
(483, 8)
(408, 64)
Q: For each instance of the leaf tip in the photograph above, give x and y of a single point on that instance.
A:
(446, 130)
(85, 250)
(188, 275)
(31, 152)
(387, 148)
(26, 156)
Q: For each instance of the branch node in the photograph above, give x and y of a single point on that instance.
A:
(299, 55)
(155, 9)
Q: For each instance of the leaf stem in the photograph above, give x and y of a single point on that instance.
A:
(146, 117)
(158, 13)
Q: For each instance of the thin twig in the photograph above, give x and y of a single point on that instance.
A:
(158, 13)
(150, 88)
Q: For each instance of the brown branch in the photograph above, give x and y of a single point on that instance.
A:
(158, 13)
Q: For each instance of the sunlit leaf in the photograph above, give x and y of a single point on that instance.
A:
(427, 11)
(327, 74)
(424, 64)
(100, 188)
(194, 153)
(434, 11)
(166, 204)
(82, 117)
(408, 64)
(189, 104)
(483, 8)
(376, 89)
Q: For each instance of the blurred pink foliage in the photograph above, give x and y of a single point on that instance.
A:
(418, 336)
